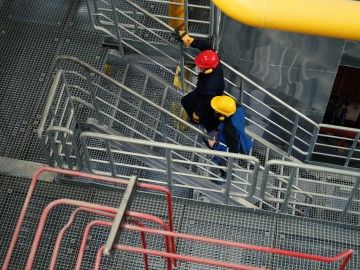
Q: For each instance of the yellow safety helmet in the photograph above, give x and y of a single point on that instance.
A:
(224, 105)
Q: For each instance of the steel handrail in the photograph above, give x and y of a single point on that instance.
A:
(297, 165)
(91, 69)
(252, 182)
(227, 66)
(169, 146)
(315, 126)
(339, 128)
(299, 115)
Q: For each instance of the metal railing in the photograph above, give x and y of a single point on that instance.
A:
(78, 100)
(267, 115)
(88, 98)
(332, 193)
(337, 145)
(107, 154)
(87, 220)
(284, 127)
(195, 18)
(95, 95)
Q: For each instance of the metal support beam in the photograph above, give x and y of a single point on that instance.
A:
(125, 204)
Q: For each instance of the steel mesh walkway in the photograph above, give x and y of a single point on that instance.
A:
(242, 225)
(32, 33)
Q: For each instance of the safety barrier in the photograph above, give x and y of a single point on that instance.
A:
(331, 193)
(101, 216)
(89, 100)
(286, 128)
(107, 153)
(197, 18)
(337, 145)
(81, 93)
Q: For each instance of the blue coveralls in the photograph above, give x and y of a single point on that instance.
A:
(207, 87)
(231, 135)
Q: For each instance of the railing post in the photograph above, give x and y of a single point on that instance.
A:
(212, 19)
(351, 197)
(229, 172)
(92, 20)
(111, 158)
(217, 29)
(293, 134)
(292, 178)
(58, 122)
(65, 148)
(54, 149)
(120, 218)
(312, 143)
(75, 137)
(353, 146)
(182, 68)
(116, 22)
(93, 97)
(162, 122)
(255, 176)
(86, 153)
(186, 15)
(265, 178)
(241, 85)
(169, 169)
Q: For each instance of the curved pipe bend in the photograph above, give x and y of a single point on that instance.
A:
(331, 18)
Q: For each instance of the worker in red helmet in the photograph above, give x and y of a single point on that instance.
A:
(210, 84)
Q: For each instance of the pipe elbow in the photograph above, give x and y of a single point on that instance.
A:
(338, 19)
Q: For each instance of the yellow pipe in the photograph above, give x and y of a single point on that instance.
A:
(332, 18)
(177, 11)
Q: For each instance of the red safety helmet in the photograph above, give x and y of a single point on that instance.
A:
(207, 59)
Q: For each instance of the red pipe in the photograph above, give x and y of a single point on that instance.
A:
(42, 170)
(108, 224)
(61, 234)
(55, 203)
(111, 215)
(143, 242)
(174, 256)
(344, 255)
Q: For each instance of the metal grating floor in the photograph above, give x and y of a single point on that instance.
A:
(242, 225)
(32, 34)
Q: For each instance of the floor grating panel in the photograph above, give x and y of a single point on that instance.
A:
(241, 225)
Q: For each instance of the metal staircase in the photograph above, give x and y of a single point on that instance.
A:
(288, 130)
(145, 110)
(82, 129)
(312, 202)
(88, 100)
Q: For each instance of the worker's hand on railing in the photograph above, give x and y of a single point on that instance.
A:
(184, 37)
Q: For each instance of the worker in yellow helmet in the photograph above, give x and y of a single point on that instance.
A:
(231, 136)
